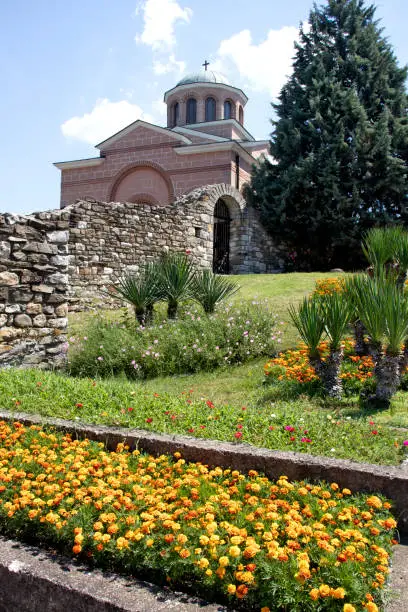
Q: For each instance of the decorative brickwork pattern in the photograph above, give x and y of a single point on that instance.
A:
(33, 289)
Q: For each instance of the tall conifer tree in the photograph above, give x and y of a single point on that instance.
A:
(339, 140)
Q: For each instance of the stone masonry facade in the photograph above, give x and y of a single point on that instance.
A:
(106, 239)
(70, 257)
(33, 289)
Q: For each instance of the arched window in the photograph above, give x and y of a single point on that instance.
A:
(227, 109)
(210, 108)
(241, 115)
(175, 114)
(191, 113)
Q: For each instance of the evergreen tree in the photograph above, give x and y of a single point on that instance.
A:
(340, 140)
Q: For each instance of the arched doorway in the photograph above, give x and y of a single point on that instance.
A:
(221, 244)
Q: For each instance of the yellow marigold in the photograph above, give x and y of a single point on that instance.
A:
(338, 593)
(374, 502)
(184, 553)
(370, 606)
(314, 594)
(324, 590)
(204, 540)
(122, 543)
(223, 561)
(231, 588)
(234, 551)
(349, 608)
(203, 563)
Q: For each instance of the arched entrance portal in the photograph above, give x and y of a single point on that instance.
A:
(221, 245)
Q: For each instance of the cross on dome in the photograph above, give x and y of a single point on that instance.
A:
(205, 65)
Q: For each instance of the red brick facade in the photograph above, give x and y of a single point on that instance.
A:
(147, 163)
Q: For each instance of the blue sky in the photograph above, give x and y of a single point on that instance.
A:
(75, 72)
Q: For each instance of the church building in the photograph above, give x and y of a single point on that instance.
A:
(205, 142)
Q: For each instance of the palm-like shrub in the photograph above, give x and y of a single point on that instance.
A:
(175, 277)
(141, 290)
(315, 318)
(378, 248)
(399, 239)
(383, 309)
(209, 289)
(336, 313)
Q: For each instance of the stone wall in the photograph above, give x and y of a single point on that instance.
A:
(106, 239)
(33, 289)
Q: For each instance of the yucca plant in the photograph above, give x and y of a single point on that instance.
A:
(359, 331)
(308, 320)
(383, 308)
(175, 277)
(336, 313)
(141, 290)
(399, 240)
(209, 289)
(378, 249)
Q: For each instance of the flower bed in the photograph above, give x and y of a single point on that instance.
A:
(193, 343)
(293, 365)
(254, 543)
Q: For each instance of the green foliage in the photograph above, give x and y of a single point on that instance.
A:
(339, 141)
(175, 407)
(208, 289)
(336, 313)
(141, 290)
(309, 322)
(175, 277)
(190, 344)
(378, 247)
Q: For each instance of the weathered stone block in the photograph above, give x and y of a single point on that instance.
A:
(58, 237)
(58, 279)
(42, 288)
(62, 310)
(23, 320)
(61, 322)
(8, 278)
(40, 320)
(33, 308)
(5, 249)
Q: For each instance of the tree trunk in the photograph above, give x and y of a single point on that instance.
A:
(140, 316)
(172, 309)
(331, 374)
(388, 377)
(404, 358)
(361, 347)
(149, 315)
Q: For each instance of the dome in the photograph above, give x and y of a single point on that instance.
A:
(209, 76)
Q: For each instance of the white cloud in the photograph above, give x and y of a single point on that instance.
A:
(159, 108)
(266, 66)
(160, 18)
(171, 65)
(106, 118)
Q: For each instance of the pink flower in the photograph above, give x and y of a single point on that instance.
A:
(238, 435)
(289, 428)
(405, 443)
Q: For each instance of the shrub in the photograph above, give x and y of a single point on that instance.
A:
(191, 344)
(208, 289)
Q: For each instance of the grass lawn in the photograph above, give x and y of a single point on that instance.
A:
(230, 403)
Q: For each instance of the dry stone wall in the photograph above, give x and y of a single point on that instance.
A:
(50, 259)
(108, 238)
(33, 289)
